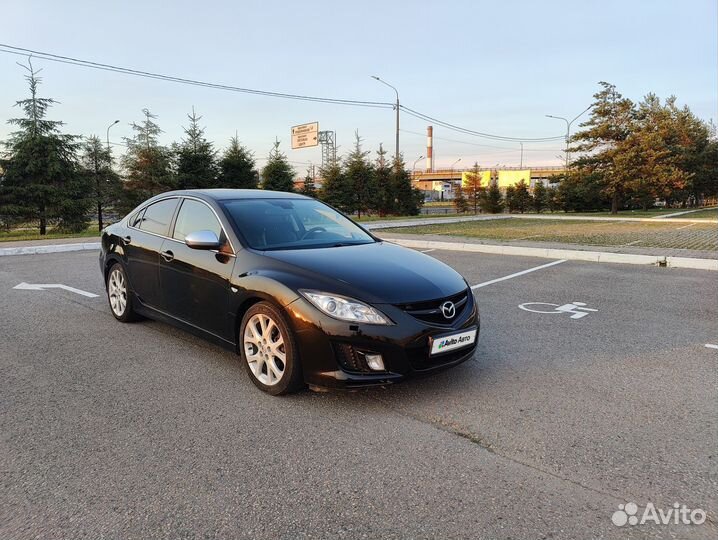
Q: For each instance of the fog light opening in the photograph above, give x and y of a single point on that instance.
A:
(374, 361)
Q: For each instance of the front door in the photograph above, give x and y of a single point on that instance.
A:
(195, 282)
(143, 245)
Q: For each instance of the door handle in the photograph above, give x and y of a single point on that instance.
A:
(167, 255)
(127, 239)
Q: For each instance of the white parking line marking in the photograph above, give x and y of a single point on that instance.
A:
(42, 286)
(711, 346)
(517, 274)
(686, 226)
(427, 250)
(632, 243)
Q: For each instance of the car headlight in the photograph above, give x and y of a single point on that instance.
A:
(345, 309)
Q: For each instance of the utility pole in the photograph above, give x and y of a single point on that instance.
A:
(522, 155)
(568, 130)
(396, 106)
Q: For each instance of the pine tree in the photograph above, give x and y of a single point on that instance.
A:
(491, 199)
(41, 178)
(385, 199)
(360, 174)
(540, 197)
(603, 143)
(97, 166)
(308, 187)
(147, 164)
(237, 167)
(408, 198)
(196, 158)
(460, 202)
(277, 174)
(473, 188)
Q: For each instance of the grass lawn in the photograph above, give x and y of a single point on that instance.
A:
(707, 213)
(696, 236)
(34, 234)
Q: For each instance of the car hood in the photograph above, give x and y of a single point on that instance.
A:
(379, 273)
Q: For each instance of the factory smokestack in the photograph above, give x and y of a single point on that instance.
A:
(429, 149)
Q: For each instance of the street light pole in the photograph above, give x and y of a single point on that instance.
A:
(108, 133)
(413, 167)
(396, 155)
(521, 166)
(568, 129)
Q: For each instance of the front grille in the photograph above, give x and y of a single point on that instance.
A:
(420, 360)
(430, 311)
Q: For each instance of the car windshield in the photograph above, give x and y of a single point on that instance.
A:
(272, 224)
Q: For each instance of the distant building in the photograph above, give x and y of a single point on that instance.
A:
(441, 184)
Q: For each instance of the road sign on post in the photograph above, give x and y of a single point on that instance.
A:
(305, 135)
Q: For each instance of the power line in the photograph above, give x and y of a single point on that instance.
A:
(467, 131)
(507, 148)
(21, 51)
(149, 75)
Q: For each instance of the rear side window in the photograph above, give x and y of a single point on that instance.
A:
(196, 216)
(158, 216)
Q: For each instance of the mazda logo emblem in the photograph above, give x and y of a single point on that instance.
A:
(448, 310)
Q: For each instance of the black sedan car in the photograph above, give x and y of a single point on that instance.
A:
(301, 292)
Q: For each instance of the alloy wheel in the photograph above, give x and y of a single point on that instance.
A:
(117, 292)
(264, 349)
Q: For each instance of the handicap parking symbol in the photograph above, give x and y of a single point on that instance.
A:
(577, 310)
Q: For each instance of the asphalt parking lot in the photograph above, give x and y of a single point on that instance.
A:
(143, 431)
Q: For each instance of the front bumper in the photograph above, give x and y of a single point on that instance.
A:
(323, 343)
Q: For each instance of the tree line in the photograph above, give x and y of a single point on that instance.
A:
(628, 156)
(55, 179)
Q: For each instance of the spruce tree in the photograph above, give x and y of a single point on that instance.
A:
(360, 174)
(277, 174)
(511, 198)
(540, 197)
(522, 197)
(237, 167)
(41, 178)
(460, 202)
(196, 158)
(308, 187)
(147, 164)
(336, 187)
(491, 200)
(385, 201)
(97, 166)
(408, 198)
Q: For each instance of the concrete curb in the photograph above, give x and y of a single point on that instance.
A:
(53, 248)
(569, 254)
(546, 253)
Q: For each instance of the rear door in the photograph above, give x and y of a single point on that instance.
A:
(143, 245)
(195, 282)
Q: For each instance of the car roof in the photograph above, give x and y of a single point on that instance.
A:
(227, 194)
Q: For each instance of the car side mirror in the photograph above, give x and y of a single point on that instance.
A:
(202, 240)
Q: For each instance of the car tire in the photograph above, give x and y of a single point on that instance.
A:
(268, 350)
(118, 294)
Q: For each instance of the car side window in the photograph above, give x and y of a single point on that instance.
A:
(196, 216)
(136, 218)
(157, 217)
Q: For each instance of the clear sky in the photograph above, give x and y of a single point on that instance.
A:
(495, 67)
